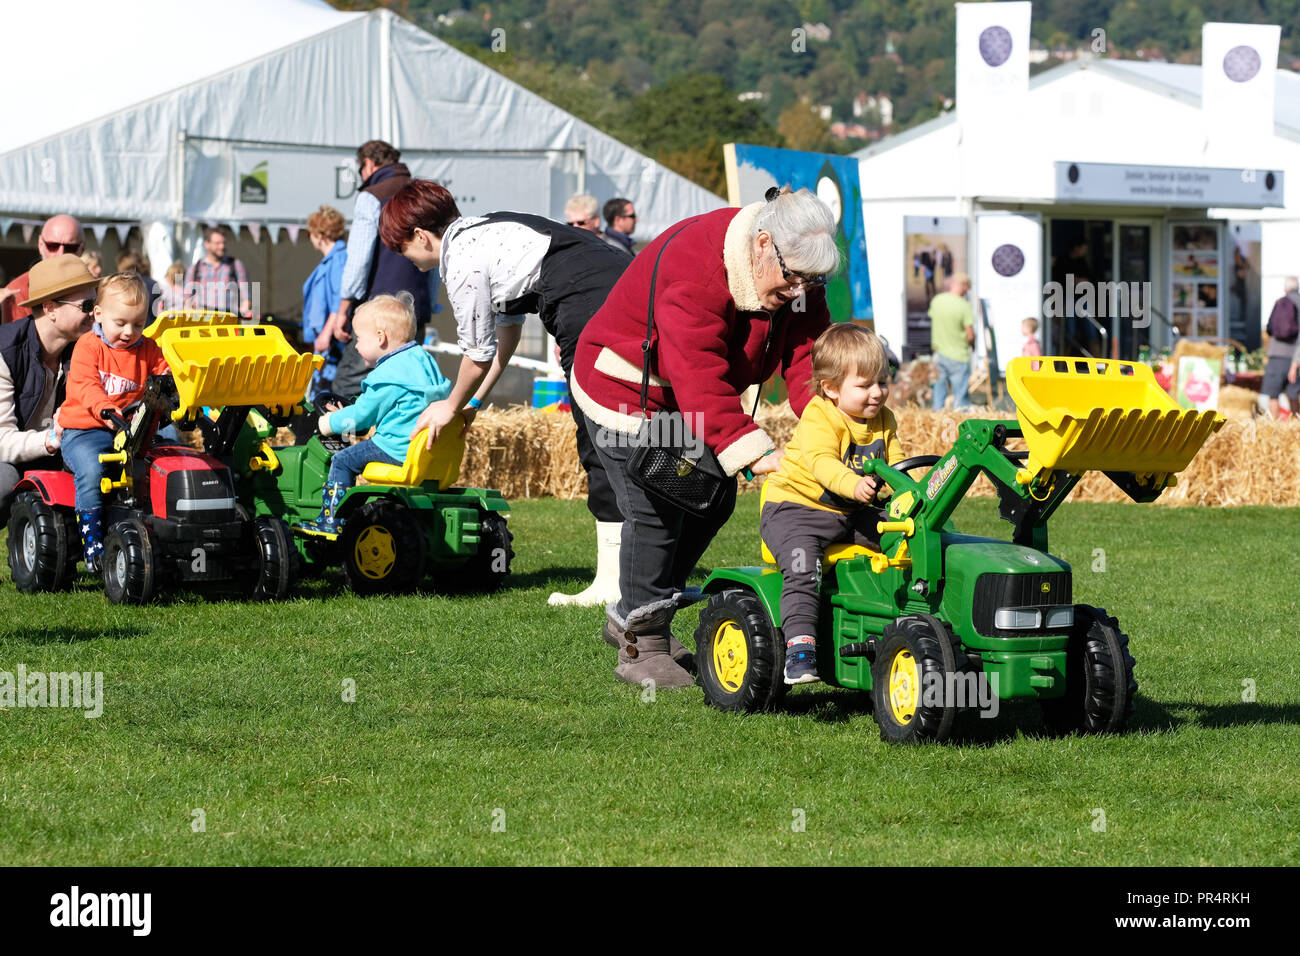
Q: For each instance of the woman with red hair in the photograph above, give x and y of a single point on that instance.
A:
(497, 269)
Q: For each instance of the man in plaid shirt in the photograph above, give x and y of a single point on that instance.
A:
(217, 281)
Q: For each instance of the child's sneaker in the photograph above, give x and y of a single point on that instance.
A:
(801, 661)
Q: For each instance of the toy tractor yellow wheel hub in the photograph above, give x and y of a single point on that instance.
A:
(374, 553)
(904, 686)
(730, 656)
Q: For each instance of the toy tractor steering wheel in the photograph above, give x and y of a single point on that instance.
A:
(326, 398)
(916, 461)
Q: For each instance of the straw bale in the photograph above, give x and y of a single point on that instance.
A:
(528, 453)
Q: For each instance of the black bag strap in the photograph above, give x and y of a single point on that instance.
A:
(650, 321)
(650, 324)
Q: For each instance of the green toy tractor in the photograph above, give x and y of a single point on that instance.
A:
(938, 622)
(405, 523)
(408, 522)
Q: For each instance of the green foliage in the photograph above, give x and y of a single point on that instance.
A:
(597, 59)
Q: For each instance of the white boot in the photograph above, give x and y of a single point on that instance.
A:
(604, 590)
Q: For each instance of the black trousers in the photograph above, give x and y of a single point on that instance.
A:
(575, 281)
(661, 543)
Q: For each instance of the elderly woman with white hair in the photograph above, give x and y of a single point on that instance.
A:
(738, 297)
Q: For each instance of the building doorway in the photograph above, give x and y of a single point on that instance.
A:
(1099, 303)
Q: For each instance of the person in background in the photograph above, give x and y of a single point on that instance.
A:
(94, 264)
(221, 281)
(952, 332)
(1280, 372)
(583, 212)
(129, 260)
(372, 268)
(35, 353)
(60, 235)
(621, 216)
(172, 287)
(1029, 329)
(320, 294)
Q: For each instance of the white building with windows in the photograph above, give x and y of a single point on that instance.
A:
(1113, 173)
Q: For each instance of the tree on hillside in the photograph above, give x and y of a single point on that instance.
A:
(802, 128)
(676, 116)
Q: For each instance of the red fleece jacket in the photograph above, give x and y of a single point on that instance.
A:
(103, 377)
(706, 351)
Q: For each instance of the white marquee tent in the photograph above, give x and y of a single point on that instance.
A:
(249, 112)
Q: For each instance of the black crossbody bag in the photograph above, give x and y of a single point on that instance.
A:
(667, 460)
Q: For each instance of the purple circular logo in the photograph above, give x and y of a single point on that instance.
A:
(1241, 63)
(995, 45)
(1008, 260)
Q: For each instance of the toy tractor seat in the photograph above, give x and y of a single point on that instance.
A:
(1082, 415)
(836, 552)
(441, 463)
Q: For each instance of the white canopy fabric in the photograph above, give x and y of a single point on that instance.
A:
(182, 108)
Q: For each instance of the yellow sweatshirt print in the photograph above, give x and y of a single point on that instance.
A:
(823, 461)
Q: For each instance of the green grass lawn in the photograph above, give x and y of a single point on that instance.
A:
(475, 711)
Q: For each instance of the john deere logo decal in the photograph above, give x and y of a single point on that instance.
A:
(1045, 587)
(252, 188)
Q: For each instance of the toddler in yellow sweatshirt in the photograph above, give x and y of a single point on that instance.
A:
(819, 496)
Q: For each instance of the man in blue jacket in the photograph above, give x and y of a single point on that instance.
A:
(371, 267)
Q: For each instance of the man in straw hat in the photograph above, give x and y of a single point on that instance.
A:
(34, 357)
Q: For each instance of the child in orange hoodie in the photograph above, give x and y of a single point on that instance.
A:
(110, 367)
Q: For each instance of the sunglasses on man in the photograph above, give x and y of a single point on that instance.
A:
(581, 222)
(87, 306)
(71, 248)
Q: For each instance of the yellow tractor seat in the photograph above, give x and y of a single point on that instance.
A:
(836, 552)
(441, 463)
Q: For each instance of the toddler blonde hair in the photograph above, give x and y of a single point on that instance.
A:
(127, 287)
(844, 348)
(1032, 323)
(395, 314)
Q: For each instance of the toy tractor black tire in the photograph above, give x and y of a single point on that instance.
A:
(916, 652)
(487, 570)
(43, 545)
(276, 560)
(384, 549)
(130, 563)
(1099, 682)
(739, 655)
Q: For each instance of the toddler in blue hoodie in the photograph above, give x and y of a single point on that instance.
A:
(403, 380)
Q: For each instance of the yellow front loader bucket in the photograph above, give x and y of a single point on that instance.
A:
(1098, 415)
(441, 463)
(180, 318)
(220, 365)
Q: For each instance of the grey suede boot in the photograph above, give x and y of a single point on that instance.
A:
(645, 656)
(616, 637)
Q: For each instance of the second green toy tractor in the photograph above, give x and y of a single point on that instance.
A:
(938, 622)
